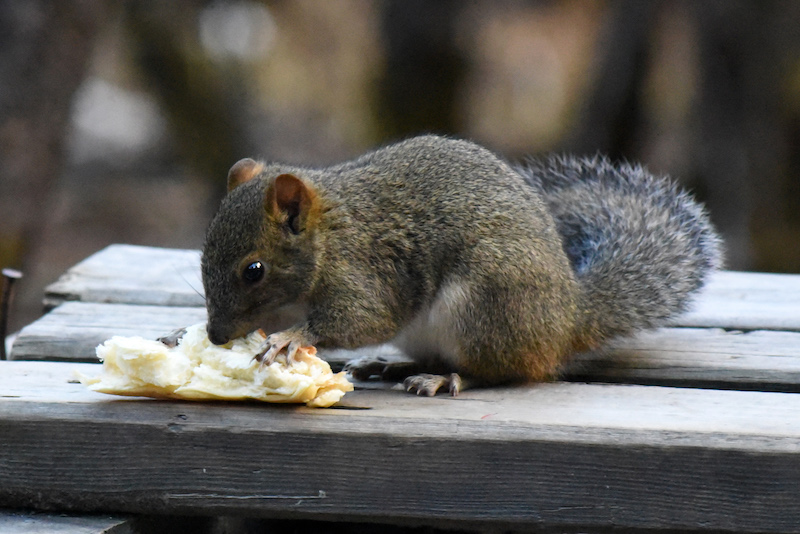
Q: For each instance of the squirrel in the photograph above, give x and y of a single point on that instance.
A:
(480, 270)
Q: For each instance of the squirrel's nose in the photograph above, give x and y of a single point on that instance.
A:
(216, 337)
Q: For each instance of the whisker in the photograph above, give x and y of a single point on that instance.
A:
(188, 283)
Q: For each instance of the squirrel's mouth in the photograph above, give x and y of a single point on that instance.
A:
(263, 315)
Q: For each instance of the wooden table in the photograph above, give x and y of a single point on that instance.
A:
(695, 427)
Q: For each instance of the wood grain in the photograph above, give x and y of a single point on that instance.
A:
(766, 360)
(573, 455)
(697, 357)
(14, 522)
(132, 274)
(73, 330)
(129, 274)
(746, 301)
(620, 451)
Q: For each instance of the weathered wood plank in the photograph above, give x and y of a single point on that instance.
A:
(73, 330)
(742, 315)
(132, 274)
(746, 301)
(570, 455)
(765, 360)
(17, 522)
(753, 287)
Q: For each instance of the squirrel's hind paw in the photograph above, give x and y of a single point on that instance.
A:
(407, 371)
(426, 384)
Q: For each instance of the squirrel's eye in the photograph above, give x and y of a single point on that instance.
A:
(253, 272)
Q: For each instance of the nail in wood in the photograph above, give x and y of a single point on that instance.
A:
(9, 277)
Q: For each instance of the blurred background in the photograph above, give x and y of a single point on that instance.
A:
(119, 120)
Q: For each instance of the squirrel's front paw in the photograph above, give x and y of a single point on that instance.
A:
(171, 340)
(365, 368)
(426, 384)
(275, 343)
(384, 369)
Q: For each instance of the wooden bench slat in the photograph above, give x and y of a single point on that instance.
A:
(690, 357)
(18, 522)
(764, 360)
(753, 287)
(129, 274)
(564, 454)
(746, 301)
(742, 315)
(73, 330)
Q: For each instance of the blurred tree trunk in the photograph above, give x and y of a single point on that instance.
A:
(424, 68)
(744, 128)
(46, 46)
(724, 158)
(739, 147)
(610, 115)
(205, 102)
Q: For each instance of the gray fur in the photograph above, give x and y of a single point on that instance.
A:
(639, 246)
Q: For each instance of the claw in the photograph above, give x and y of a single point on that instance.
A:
(427, 384)
(259, 356)
(268, 354)
(274, 344)
(455, 384)
(291, 351)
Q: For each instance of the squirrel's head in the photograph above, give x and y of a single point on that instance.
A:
(260, 253)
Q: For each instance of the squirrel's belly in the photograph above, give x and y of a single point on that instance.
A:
(436, 333)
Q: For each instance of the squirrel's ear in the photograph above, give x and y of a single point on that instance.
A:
(243, 171)
(292, 202)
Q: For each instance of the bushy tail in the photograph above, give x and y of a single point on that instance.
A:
(639, 246)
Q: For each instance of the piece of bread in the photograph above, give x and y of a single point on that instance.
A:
(198, 370)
